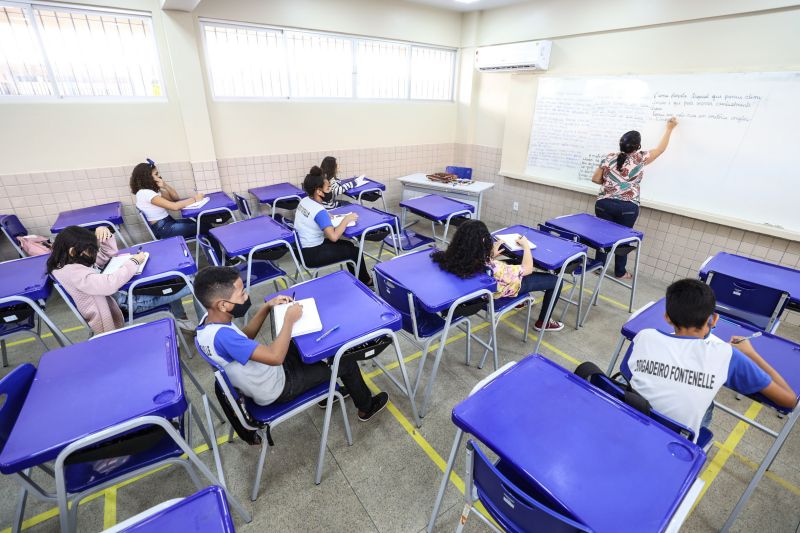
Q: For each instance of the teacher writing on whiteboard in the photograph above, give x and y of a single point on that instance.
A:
(620, 174)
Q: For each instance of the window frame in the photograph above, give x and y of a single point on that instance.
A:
(56, 96)
(203, 21)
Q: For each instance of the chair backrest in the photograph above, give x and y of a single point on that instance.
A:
(244, 205)
(509, 505)
(398, 297)
(748, 302)
(564, 234)
(211, 255)
(465, 173)
(224, 383)
(146, 224)
(70, 302)
(14, 389)
(13, 228)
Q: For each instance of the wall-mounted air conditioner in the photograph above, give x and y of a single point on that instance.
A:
(517, 57)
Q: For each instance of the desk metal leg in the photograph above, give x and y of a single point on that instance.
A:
(451, 460)
(398, 352)
(762, 468)
(635, 277)
(429, 387)
(615, 355)
(593, 298)
(19, 510)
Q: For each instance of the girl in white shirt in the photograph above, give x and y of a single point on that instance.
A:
(154, 197)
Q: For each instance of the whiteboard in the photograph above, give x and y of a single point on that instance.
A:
(735, 153)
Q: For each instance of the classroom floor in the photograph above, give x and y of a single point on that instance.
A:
(387, 479)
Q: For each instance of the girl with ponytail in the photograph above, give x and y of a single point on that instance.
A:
(620, 175)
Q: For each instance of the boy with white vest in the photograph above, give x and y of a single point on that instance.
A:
(266, 373)
(680, 374)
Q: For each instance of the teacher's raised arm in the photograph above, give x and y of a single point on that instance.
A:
(620, 175)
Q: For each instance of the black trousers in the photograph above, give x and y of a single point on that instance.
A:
(301, 377)
(332, 252)
(621, 212)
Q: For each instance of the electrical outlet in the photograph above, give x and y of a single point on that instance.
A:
(515, 206)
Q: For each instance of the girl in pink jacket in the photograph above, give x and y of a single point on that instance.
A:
(76, 261)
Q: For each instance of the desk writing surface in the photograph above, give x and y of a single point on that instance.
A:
(344, 301)
(216, 200)
(755, 271)
(269, 193)
(165, 255)
(111, 211)
(550, 252)
(601, 461)
(242, 236)
(435, 207)
(597, 232)
(25, 277)
(435, 289)
(89, 386)
(205, 511)
(370, 185)
(367, 217)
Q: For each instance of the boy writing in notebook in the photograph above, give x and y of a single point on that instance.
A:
(680, 374)
(273, 372)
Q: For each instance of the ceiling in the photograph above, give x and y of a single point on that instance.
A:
(473, 6)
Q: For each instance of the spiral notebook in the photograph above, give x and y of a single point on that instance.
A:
(309, 322)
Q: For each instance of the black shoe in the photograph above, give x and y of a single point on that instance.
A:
(379, 401)
(342, 390)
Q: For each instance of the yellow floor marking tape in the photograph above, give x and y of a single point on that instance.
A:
(725, 451)
(544, 343)
(786, 484)
(108, 508)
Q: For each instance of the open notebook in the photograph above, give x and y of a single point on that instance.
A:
(509, 240)
(118, 260)
(309, 322)
(361, 180)
(337, 219)
(198, 205)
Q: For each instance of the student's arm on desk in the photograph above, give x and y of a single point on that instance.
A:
(274, 354)
(333, 234)
(778, 391)
(160, 201)
(254, 326)
(527, 258)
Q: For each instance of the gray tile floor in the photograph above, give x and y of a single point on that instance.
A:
(387, 479)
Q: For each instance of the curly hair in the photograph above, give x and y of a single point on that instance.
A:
(142, 178)
(469, 251)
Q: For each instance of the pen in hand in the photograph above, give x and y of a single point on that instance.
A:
(753, 336)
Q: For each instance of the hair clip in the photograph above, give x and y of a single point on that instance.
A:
(151, 162)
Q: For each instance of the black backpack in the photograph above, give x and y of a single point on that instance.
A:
(588, 370)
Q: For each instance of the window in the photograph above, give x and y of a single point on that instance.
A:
(250, 61)
(67, 52)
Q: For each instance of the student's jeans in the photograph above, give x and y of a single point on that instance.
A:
(144, 302)
(301, 377)
(621, 212)
(186, 228)
(540, 282)
(330, 252)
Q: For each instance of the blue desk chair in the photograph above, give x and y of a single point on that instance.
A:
(16, 318)
(464, 173)
(748, 303)
(513, 507)
(97, 461)
(149, 228)
(244, 206)
(245, 414)
(13, 228)
(407, 240)
(422, 328)
(261, 270)
(313, 272)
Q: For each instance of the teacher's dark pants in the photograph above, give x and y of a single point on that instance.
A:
(621, 212)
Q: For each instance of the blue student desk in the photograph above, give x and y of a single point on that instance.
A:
(247, 237)
(25, 281)
(606, 235)
(438, 291)
(555, 255)
(437, 209)
(109, 214)
(272, 194)
(755, 271)
(781, 354)
(598, 461)
(369, 186)
(368, 220)
(218, 202)
(93, 385)
(344, 301)
(205, 511)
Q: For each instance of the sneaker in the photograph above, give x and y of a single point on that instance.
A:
(185, 324)
(379, 401)
(342, 390)
(553, 325)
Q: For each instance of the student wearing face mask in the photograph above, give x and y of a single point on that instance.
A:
(320, 240)
(267, 373)
(75, 262)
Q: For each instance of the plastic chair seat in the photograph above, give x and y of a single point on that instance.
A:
(501, 304)
(409, 240)
(372, 196)
(705, 437)
(266, 414)
(591, 266)
(15, 318)
(288, 204)
(378, 235)
(82, 476)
